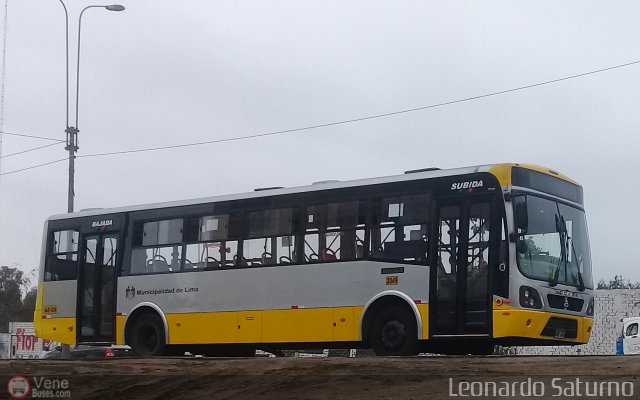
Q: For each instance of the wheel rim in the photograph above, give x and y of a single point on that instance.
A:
(393, 335)
(148, 340)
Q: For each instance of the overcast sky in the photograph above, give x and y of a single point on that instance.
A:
(167, 72)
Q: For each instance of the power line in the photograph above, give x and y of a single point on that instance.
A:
(31, 149)
(349, 121)
(31, 136)
(34, 166)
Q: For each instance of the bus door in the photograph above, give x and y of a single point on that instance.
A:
(95, 318)
(461, 300)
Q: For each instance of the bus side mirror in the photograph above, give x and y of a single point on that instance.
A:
(522, 247)
(522, 219)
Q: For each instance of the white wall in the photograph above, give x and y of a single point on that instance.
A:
(22, 341)
(4, 345)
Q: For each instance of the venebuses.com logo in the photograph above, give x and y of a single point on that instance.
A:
(38, 387)
(18, 387)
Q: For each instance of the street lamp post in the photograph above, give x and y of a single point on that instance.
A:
(72, 131)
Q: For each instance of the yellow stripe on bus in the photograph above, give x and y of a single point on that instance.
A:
(267, 326)
(331, 324)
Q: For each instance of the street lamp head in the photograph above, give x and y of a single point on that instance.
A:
(115, 7)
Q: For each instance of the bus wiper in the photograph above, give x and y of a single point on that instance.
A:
(563, 251)
(561, 228)
(581, 286)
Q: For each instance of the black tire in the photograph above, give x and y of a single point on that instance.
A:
(394, 332)
(147, 336)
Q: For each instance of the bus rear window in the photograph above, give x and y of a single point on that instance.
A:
(62, 258)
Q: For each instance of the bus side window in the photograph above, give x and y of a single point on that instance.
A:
(63, 256)
(208, 245)
(157, 247)
(155, 260)
(210, 255)
(334, 232)
(400, 228)
(271, 239)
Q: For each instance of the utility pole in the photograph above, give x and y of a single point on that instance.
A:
(72, 147)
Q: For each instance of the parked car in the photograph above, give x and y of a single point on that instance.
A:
(630, 338)
(91, 352)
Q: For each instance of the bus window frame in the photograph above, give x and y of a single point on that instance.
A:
(50, 253)
(130, 246)
(363, 205)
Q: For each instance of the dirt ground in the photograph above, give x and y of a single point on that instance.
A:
(332, 378)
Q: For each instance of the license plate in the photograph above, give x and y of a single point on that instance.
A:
(560, 333)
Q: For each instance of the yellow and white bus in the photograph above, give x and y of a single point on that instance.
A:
(447, 261)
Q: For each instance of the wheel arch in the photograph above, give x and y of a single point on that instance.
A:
(140, 309)
(382, 300)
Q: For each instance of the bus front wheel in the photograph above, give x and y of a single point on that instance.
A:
(147, 336)
(394, 332)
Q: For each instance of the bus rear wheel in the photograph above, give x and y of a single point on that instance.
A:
(147, 336)
(394, 332)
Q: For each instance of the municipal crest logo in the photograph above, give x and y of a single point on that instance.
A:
(130, 292)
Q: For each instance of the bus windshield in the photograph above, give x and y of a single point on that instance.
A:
(554, 245)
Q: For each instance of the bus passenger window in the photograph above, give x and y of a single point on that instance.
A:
(335, 231)
(162, 232)
(155, 260)
(400, 229)
(210, 255)
(271, 238)
(208, 245)
(214, 228)
(157, 247)
(269, 251)
(63, 256)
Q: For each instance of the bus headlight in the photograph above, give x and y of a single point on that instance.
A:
(590, 307)
(529, 297)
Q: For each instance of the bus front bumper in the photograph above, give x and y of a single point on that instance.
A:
(541, 325)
